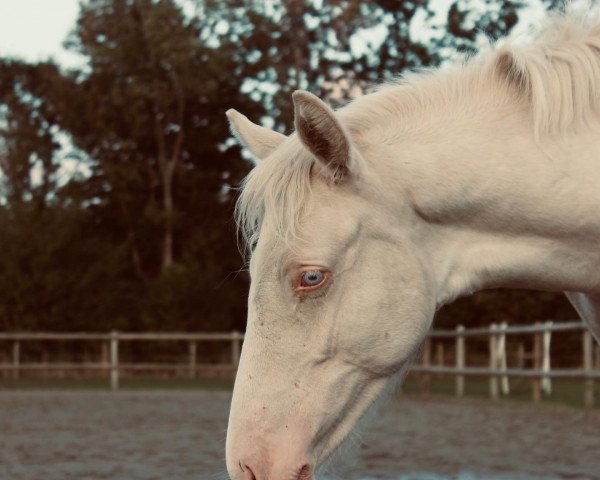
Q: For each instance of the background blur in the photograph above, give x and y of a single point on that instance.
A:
(118, 170)
(118, 178)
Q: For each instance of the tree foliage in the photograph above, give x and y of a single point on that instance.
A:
(118, 178)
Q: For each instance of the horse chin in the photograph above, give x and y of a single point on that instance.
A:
(358, 416)
(348, 420)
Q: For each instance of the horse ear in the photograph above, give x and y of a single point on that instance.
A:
(260, 140)
(321, 133)
(510, 68)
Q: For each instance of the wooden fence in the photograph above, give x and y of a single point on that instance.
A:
(497, 370)
(110, 346)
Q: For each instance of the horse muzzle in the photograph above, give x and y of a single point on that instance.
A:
(258, 469)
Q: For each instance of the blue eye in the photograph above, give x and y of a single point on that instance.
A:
(312, 278)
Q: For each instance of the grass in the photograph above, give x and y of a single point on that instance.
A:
(566, 392)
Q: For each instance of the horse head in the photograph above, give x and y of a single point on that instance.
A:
(338, 302)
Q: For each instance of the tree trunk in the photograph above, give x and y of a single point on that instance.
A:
(167, 157)
(168, 210)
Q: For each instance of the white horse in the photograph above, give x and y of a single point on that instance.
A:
(366, 220)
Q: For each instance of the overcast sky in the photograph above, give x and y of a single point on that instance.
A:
(35, 29)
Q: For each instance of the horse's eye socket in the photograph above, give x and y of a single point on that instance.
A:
(312, 278)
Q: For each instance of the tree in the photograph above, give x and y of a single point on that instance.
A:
(338, 49)
(152, 131)
(150, 103)
(27, 140)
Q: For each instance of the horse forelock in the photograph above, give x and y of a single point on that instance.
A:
(275, 192)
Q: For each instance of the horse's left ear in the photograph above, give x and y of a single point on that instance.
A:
(321, 133)
(260, 140)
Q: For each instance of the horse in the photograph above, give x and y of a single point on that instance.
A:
(367, 219)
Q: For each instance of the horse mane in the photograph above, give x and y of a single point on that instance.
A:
(557, 77)
(559, 73)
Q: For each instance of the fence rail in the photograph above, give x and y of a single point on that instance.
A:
(517, 329)
(497, 370)
(110, 346)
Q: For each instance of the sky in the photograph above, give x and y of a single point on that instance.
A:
(35, 29)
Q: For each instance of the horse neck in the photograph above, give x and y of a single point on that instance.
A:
(498, 208)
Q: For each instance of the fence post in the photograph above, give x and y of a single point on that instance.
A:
(192, 359)
(493, 347)
(235, 348)
(460, 360)
(426, 361)
(16, 359)
(537, 352)
(45, 373)
(104, 353)
(439, 354)
(114, 360)
(546, 339)
(588, 389)
(502, 360)
(521, 356)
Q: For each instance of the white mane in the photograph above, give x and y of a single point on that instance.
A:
(560, 72)
(557, 77)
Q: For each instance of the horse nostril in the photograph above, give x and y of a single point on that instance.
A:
(248, 473)
(304, 473)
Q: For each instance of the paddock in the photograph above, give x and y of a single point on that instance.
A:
(179, 435)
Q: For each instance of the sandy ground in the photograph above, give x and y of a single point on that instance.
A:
(180, 436)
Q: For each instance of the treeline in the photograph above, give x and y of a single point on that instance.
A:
(119, 177)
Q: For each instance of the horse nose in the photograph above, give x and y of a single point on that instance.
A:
(248, 473)
(305, 472)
